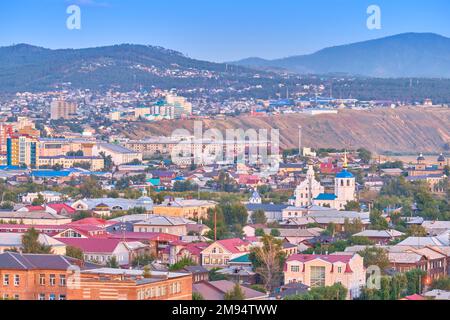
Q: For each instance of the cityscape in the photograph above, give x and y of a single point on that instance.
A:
(135, 172)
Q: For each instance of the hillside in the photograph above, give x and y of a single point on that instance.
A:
(25, 67)
(400, 130)
(403, 55)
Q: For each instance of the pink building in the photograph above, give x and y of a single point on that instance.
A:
(325, 270)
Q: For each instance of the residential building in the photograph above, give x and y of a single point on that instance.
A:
(325, 270)
(216, 290)
(121, 284)
(185, 208)
(62, 110)
(219, 253)
(120, 155)
(35, 276)
(22, 150)
(94, 163)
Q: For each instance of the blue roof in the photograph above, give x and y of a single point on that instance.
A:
(10, 168)
(344, 174)
(326, 196)
(50, 173)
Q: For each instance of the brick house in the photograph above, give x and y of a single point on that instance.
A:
(34, 276)
(121, 284)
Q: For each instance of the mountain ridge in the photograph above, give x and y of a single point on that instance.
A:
(403, 55)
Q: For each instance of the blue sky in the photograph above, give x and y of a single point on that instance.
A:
(217, 30)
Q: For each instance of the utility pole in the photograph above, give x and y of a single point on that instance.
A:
(215, 224)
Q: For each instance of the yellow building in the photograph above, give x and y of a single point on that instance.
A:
(96, 163)
(189, 209)
(22, 150)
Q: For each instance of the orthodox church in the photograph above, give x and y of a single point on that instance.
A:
(311, 192)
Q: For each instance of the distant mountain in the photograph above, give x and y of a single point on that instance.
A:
(404, 55)
(25, 67)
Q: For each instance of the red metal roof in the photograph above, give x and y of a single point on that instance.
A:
(93, 245)
(233, 244)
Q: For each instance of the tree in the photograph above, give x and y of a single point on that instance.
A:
(377, 221)
(415, 279)
(334, 292)
(39, 201)
(268, 261)
(235, 294)
(416, 231)
(142, 260)
(31, 244)
(108, 162)
(441, 284)
(147, 274)
(365, 155)
(184, 262)
(197, 296)
(112, 263)
(258, 217)
(259, 232)
(353, 206)
(74, 252)
(373, 256)
(353, 227)
(275, 233)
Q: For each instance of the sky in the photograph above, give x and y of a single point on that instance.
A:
(217, 30)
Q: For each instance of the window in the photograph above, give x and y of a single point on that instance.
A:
(42, 279)
(295, 268)
(317, 276)
(41, 296)
(62, 280)
(5, 296)
(52, 296)
(52, 280)
(6, 279)
(16, 297)
(339, 269)
(16, 280)
(62, 297)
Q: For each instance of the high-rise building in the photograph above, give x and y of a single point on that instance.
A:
(60, 109)
(5, 131)
(22, 150)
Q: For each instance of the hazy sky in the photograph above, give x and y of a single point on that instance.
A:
(217, 30)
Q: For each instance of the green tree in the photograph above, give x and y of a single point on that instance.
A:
(235, 294)
(353, 206)
(39, 201)
(184, 262)
(197, 296)
(142, 260)
(416, 231)
(112, 263)
(31, 244)
(334, 292)
(275, 233)
(259, 232)
(373, 256)
(74, 252)
(258, 217)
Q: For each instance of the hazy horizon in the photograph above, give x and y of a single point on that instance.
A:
(217, 30)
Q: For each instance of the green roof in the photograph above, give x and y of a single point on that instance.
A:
(242, 259)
